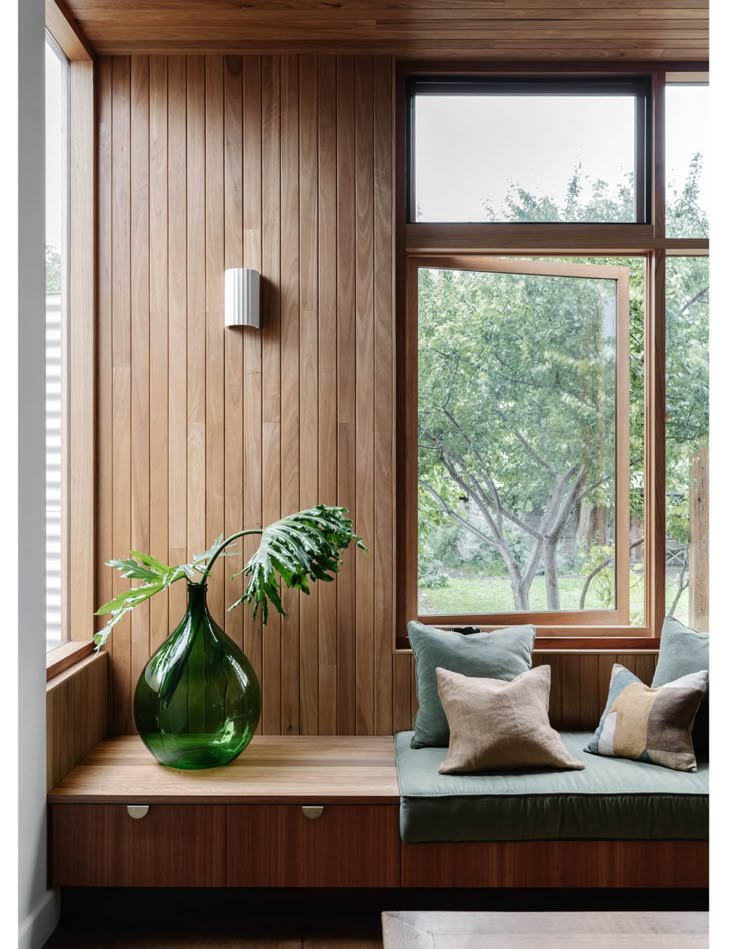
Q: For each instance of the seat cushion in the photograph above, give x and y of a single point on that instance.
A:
(612, 799)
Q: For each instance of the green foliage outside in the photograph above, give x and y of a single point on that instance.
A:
(516, 424)
(53, 269)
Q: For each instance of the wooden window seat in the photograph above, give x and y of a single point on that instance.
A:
(305, 812)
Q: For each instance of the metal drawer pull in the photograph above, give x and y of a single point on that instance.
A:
(137, 811)
(312, 811)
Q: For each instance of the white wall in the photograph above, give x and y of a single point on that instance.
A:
(38, 909)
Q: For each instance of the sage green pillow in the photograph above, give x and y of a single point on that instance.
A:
(683, 651)
(502, 654)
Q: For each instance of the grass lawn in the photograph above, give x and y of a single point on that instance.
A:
(472, 594)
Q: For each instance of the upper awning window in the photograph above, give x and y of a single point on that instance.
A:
(536, 151)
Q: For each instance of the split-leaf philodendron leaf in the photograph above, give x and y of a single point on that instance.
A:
(294, 550)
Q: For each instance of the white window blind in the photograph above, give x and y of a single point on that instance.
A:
(53, 468)
(57, 192)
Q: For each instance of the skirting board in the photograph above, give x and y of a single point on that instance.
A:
(35, 930)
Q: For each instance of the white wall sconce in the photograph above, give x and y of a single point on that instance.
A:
(242, 297)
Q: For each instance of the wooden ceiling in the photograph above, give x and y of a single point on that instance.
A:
(616, 30)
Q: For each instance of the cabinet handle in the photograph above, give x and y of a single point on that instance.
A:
(312, 811)
(137, 811)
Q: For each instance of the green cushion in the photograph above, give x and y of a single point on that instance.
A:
(612, 799)
(682, 652)
(503, 654)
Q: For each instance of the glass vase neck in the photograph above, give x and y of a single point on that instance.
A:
(197, 594)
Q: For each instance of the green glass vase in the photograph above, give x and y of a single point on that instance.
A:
(198, 701)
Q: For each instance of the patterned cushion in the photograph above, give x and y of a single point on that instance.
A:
(648, 724)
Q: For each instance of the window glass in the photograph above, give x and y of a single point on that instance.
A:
(56, 263)
(525, 157)
(686, 548)
(686, 150)
(518, 435)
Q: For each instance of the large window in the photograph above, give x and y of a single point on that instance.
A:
(553, 355)
(475, 150)
(57, 191)
(524, 438)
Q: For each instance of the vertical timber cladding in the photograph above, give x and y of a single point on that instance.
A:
(283, 164)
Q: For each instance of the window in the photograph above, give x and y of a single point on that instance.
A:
(687, 441)
(553, 354)
(686, 151)
(526, 419)
(70, 339)
(474, 150)
(57, 189)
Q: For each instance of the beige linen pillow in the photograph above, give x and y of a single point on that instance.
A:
(496, 724)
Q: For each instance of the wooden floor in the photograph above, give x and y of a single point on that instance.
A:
(362, 932)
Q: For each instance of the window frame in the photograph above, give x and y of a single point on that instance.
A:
(79, 341)
(617, 616)
(420, 241)
(638, 87)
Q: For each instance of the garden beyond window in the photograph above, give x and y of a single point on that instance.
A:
(525, 434)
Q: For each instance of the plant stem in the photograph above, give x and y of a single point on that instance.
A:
(223, 545)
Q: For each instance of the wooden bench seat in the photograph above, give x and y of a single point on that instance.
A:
(303, 812)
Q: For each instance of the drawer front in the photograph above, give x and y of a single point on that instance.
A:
(280, 845)
(557, 863)
(102, 845)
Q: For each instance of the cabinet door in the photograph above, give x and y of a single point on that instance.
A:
(102, 845)
(287, 845)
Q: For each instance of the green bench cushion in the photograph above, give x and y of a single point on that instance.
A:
(612, 799)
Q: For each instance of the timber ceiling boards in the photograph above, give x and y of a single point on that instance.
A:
(585, 30)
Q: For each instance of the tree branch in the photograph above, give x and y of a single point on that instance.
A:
(693, 300)
(461, 520)
(490, 492)
(681, 587)
(596, 570)
(521, 438)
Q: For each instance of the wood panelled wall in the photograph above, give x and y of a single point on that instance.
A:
(76, 715)
(284, 164)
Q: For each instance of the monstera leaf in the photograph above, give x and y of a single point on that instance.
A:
(298, 548)
(156, 576)
(301, 547)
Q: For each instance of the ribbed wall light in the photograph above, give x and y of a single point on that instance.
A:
(242, 297)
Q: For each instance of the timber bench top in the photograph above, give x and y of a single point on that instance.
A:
(272, 769)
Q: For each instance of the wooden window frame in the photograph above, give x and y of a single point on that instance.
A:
(420, 242)
(78, 383)
(619, 615)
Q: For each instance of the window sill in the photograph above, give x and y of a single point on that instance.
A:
(68, 654)
(592, 643)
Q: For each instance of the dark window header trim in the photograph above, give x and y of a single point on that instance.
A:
(471, 85)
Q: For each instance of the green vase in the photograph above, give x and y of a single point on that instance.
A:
(197, 702)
